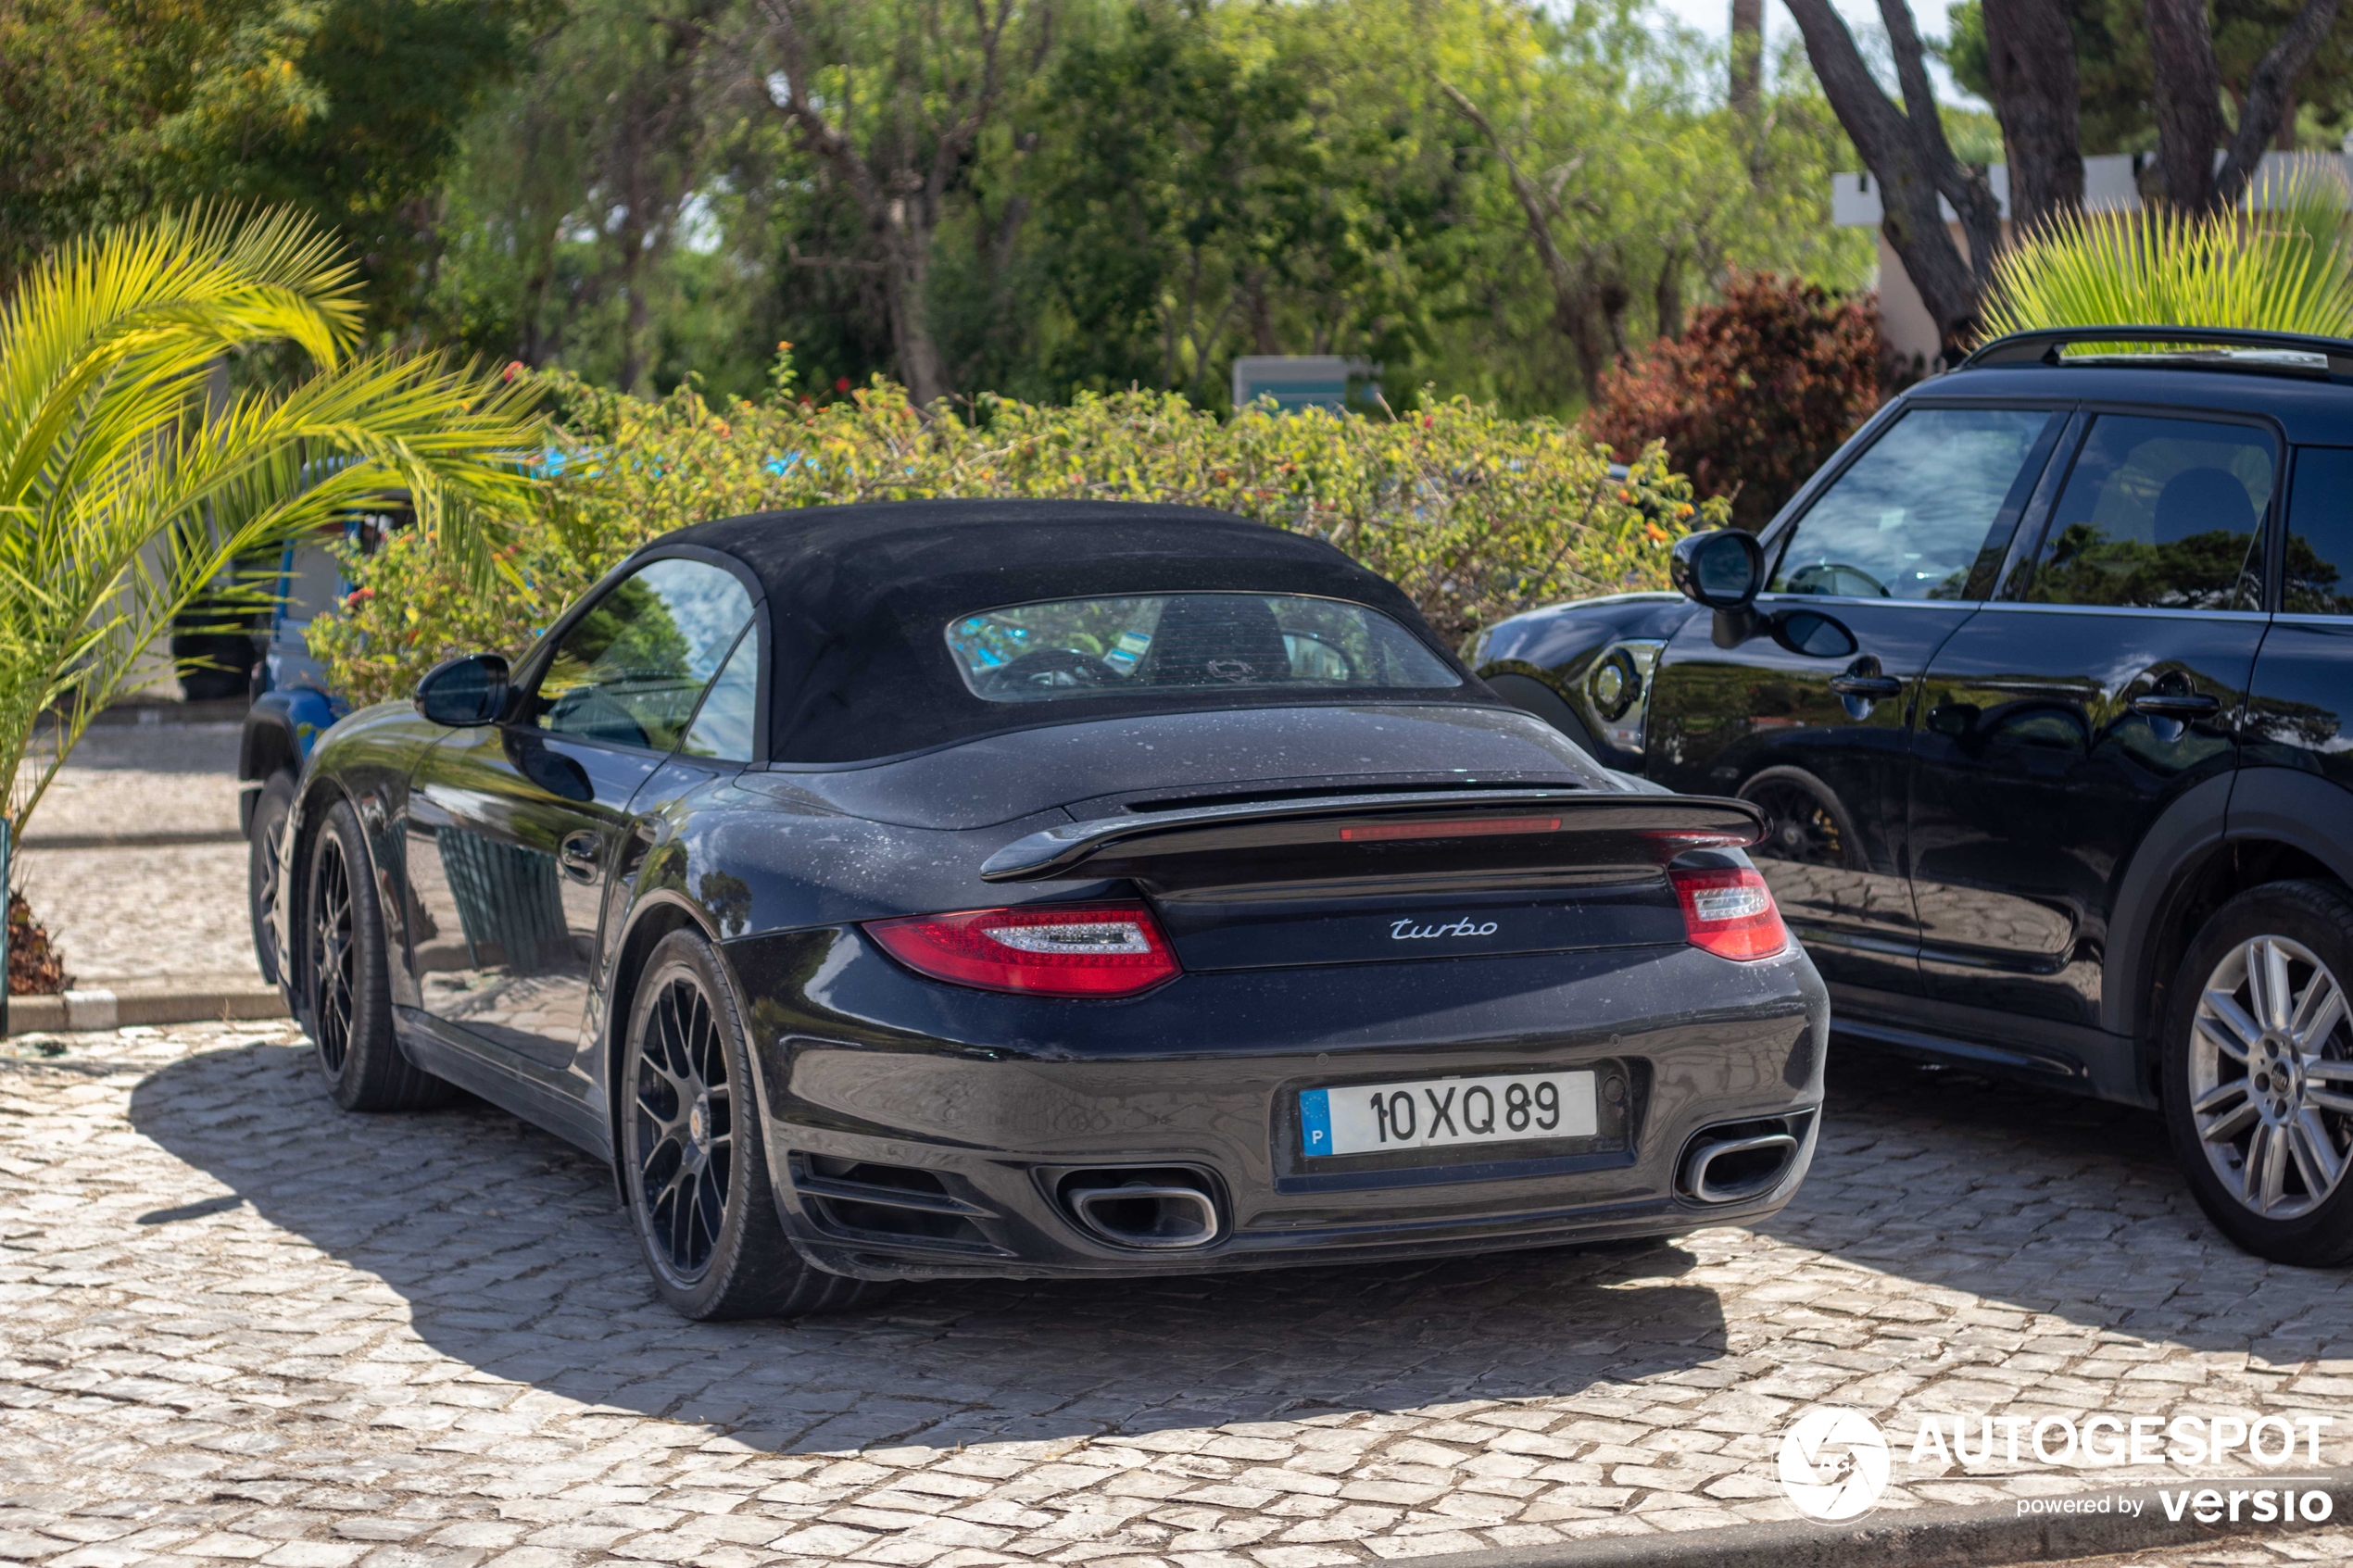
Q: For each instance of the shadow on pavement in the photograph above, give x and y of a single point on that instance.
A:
(509, 1252)
(2047, 1202)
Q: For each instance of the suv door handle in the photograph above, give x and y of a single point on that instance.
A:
(577, 855)
(2174, 704)
(1871, 688)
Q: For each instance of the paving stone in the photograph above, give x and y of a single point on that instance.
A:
(237, 1326)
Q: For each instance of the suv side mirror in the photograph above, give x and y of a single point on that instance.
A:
(464, 692)
(1721, 568)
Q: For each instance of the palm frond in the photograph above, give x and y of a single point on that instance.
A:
(2279, 262)
(110, 447)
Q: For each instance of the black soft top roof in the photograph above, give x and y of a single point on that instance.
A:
(860, 598)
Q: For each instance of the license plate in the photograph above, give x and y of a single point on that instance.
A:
(1446, 1112)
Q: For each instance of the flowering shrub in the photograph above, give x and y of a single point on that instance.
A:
(1475, 515)
(1752, 397)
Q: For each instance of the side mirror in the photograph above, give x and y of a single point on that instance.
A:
(464, 692)
(1722, 568)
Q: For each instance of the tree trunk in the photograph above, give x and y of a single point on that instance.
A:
(1668, 298)
(1906, 153)
(2268, 111)
(2187, 97)
(2031, 51)
(1572, 293)
(906, 282)
(1747, 55)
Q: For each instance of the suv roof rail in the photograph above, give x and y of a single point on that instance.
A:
(2230, 348)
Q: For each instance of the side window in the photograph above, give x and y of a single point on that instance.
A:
(630, 671)
(722, 726)
(2160, 514)
(1911, 517)
(2319, 576)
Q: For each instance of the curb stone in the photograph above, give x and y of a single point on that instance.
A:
(78, 1012)
(165, 839)
(1973, 1536)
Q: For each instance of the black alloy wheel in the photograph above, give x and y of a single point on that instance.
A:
(334, 950)
(684, 1116)
(343, 978)
(694, 1157)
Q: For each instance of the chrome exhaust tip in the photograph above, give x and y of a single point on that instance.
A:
(1739, 1159)
(1160, 1210)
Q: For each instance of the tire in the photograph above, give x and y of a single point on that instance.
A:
(343, 973)
(2260, 1075)
(269, 812)
(694, 1157)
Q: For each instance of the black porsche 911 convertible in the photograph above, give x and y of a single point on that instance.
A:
(953, 888)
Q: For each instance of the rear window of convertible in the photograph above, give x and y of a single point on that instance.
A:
(1186, 643)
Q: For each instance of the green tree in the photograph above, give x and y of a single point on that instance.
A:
(349, 110)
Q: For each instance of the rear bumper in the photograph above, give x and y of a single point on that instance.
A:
(917, 1130)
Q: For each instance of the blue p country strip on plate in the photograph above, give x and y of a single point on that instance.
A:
(1439, 1113)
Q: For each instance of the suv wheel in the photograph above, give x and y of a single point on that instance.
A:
(695, 1156)
(2258, 1071)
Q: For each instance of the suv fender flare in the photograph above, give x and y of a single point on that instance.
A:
(2287, 805)
(2194, 827)
(2302, 810)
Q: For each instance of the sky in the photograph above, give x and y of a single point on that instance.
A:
(1715, 17)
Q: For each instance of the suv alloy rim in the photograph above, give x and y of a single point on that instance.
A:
(332, 953)
(2271, 1082)
(681, 1132)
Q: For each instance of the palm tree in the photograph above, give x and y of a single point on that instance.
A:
(2278, 261)
(126, 493)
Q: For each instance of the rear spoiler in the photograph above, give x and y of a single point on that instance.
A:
(1532, 825)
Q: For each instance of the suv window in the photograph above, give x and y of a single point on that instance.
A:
(1909, 519)
(2319, 576)
(630, 671)
(2160, 514)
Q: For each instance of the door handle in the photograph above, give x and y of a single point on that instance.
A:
(1871, 688)
(577, 856)
(2174, 704)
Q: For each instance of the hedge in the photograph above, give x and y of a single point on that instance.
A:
(1475, 515)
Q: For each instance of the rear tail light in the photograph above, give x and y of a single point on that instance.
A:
(1043, 950)
(1730, 913)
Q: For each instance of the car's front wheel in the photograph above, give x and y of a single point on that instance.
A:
(695, 1157)
(2258, 1071)
(346, 986)
(270, 811)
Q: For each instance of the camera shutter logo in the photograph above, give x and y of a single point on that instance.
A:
(1833, 1463)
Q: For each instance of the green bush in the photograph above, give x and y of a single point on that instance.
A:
(1475, 515)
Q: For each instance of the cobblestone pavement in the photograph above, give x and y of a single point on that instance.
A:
(144, 778)
(145, 917)
(235, 1324)
(170, 917)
